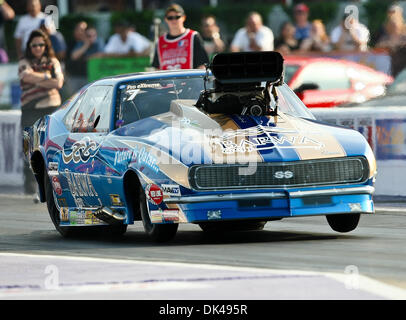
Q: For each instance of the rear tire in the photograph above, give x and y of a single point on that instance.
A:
(66, 232)
(158, 232)
(343, 222)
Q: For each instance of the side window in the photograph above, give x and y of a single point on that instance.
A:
(326, 76)
(92, 111)
(71, 114)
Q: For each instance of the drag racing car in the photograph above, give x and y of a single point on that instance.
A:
(228, 148)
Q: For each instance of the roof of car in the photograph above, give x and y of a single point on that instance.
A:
(149, 75)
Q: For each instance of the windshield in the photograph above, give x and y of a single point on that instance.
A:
(147, 98)
(289, 103)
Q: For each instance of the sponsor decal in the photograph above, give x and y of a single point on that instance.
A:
(53, 168)
(170, 189)
(62, 202)
(77, 218)
(213, 214)
(156, 216)
(81, 151)
(56, 185)
(115, 200)
(142, 156)
(80, 184)
(154, 194)
(355, 207)
(159, 216)
(263, 138)
(64, 214)
(170, 215)
(73, 217)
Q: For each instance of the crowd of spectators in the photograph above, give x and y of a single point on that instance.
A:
(294, 37)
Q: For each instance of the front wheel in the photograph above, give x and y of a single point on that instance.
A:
(158, 232)
(343, 222)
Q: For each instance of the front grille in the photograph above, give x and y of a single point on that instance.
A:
(281, 174)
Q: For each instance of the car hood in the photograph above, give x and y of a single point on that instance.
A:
(186, 135)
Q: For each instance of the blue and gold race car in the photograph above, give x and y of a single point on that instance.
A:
(230, 147)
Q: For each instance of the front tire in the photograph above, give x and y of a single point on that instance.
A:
(158, 232)
(66, 232)
(343, 222)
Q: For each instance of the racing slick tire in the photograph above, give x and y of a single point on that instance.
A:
(66, 232)
(343, 222)
(158, 232)
(232, 226)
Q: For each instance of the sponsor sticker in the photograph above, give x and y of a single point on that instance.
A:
(355, 207)
(159, 216)
(115, 200)
(170, 189)
(53, 168)
(64, 214)
(154, 194)
(56, 185)
(213, 214)
(171, 215)
(156, 216)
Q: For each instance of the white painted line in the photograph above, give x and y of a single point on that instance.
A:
(362, 282)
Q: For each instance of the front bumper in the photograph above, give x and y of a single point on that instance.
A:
(270, 205)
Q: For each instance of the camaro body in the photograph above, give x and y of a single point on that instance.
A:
(194, 167)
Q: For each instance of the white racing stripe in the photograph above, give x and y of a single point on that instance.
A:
(362, 283)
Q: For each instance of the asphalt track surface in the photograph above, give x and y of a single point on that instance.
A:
(296, 258)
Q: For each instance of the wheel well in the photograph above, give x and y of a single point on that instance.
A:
(38, 166)
(131, 191)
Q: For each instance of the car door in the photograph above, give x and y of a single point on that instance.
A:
(88, 122)
(332, 82)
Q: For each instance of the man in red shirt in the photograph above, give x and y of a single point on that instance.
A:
(180, 48)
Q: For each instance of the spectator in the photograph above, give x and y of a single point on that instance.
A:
(287, 42)
(57, 39)
(41, 77)
(126, 42)
(90, 46)
(394, 40)
(303, 26)
(211, 36)
(350, 35)
(319, 40)
(395, 12)
(180, 48)
(76, 68)
(6, 13)
(254, 36)
(29, 22)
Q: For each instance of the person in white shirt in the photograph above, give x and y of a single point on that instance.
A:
(350, 35)
(28, 23)
(254, 36)
(126, 42)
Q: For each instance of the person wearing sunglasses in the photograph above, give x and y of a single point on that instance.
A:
(180, 48)
(41, 78)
